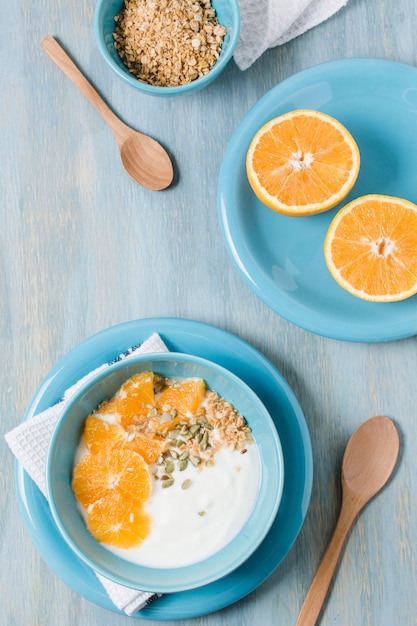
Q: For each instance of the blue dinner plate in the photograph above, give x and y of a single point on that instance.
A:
(281, 258)
(252, 367)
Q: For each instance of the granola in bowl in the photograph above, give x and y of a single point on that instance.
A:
(168, 43)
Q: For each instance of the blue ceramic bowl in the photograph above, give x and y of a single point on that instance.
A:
(228, 14)
(61, 456)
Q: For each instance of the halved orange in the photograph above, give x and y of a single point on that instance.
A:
(118, 522)
(371, 248)
(111, 472)
(303, 162)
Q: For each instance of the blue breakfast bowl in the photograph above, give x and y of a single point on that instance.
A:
(60, 461)
(228, 15)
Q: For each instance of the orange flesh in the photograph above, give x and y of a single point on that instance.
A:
(374, 247)
(109, 472)
(129, 526)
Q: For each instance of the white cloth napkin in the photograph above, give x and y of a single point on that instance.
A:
(29, 443)
(269, 23)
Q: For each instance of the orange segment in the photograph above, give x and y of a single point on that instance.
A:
(370, 248)
(111, 472)
(141, 387)
(302, 163)
(150, 447)
(100, 435)
(135, 399)
(118, 522)
(185, 398)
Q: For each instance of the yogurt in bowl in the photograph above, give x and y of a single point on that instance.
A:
(206, 489)
(204, 470)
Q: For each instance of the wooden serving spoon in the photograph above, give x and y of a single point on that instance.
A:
(370, 457)
(144, 159)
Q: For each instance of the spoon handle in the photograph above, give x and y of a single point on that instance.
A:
(65, 63)
(319, 587)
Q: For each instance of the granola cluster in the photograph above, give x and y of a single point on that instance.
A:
(232, 427)
(168, 42)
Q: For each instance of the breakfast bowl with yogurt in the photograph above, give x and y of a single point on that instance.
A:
(164, 472)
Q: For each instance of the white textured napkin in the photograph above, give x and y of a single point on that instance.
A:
(29, 443)
(269, 23)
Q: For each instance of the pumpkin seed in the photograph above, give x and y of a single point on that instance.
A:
(182, 465)
(167, 483)
(205, 441)
(169, 467)
(184, 455)
(195, 460)
(165, 418)
(186, 484)
(194, 428)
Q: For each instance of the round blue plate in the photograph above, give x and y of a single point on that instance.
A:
(281, 258)
(252, 367)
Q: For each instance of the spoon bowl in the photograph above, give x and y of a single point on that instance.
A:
(369, 459)
(144, 159)
(368, 462)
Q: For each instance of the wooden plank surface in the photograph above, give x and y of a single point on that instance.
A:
(83, 248)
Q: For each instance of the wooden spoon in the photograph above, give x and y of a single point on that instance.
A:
(144, 159)
(369, 459)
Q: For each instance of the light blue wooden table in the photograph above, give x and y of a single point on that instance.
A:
(84, 248)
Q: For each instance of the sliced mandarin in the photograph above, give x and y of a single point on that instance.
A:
(132, 411)
(150, 447)
(185, 398)
(110, 472)
(100, 434)
(118, 521)
(135, 399)
(140, 386)
(370, 248)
